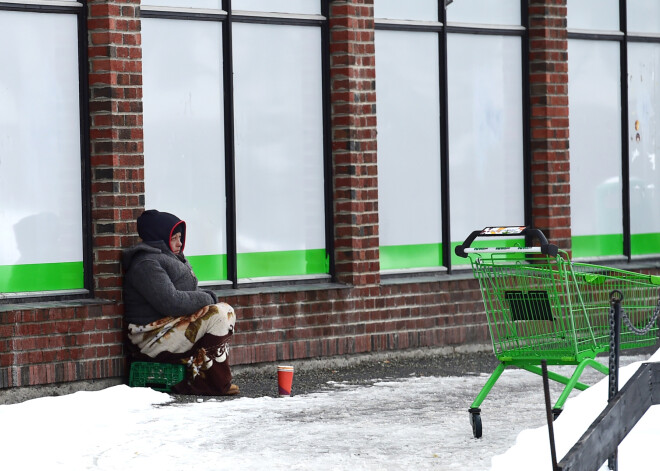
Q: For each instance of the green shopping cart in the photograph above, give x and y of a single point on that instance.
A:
(542, 306)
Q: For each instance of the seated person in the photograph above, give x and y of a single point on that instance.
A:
(170, 319)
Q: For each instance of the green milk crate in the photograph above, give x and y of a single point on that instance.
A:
(158, 376)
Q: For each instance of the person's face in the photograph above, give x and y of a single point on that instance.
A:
(175, 243)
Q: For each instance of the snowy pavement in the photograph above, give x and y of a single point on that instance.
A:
(420, 423)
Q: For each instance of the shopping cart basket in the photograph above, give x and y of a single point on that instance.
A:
(542, 306)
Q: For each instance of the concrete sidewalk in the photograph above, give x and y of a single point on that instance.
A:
(314, 375)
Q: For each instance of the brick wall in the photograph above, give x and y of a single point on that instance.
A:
(548, 77)
(60, 343)
(353, 111)
(324, 322)
(116, 138)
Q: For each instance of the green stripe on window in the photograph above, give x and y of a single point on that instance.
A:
(283, 263)
(485, 242)
(41, 277)
(597, 245)
(209, 267)
(399, 257)
(642, 244)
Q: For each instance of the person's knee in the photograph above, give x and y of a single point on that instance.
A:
(222, 319)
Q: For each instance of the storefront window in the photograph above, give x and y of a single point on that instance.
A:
(409, 203)
(486, 12)
(209, 4)
(644, 146)
(485, 133)
(643, 16)
(280, 215)
(419, 10)
(595, 141)
(184, 135)
(597, 15)
(41, 246)
(305, 7)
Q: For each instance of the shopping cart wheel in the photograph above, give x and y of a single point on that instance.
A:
(475, 421)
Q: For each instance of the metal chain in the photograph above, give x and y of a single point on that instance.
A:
(612, 357)
(647, 327)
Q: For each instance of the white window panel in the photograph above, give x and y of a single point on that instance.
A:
(599, 15)
(279, 138)
(40, 161)
(184, 4)
(644, 136)
(595, 137)
(409, 200)
(184, 128)
(485, 132)
(306, 7)
(419, 10)
(488, 12)
(643, 16)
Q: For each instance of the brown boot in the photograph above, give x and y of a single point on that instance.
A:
(232, 391)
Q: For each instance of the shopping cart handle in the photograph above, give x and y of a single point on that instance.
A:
(507, 231)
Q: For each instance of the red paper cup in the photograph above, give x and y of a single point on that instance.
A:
(284, 379)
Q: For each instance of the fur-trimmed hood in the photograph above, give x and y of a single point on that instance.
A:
(154, 226)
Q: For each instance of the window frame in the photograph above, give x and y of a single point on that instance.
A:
(442, 28)
(623, 39)
(77, 8)
(227, 16)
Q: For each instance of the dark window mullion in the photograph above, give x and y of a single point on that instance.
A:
(444, 139)
(282, 21)
(526, 116)
(181, 15)
(484, 31)
(45, 8)
(409, 27)
(594, 36)
(327, 140)
(85, 165)
(230, 167)
(642, 39)
(625, 151)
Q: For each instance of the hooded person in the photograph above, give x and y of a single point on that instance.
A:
(170, 319)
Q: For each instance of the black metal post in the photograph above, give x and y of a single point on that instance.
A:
(548, 412)
(615, 339)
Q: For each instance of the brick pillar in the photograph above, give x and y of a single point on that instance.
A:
(116, 141)
(353, 115)
(548, 76)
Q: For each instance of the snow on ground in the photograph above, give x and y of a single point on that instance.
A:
(636, 452)
(420, 423)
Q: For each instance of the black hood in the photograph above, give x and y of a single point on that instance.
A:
(154, 226)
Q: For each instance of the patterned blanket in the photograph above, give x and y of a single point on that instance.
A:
(198, 340)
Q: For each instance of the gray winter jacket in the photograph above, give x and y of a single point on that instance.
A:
(158, 284)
